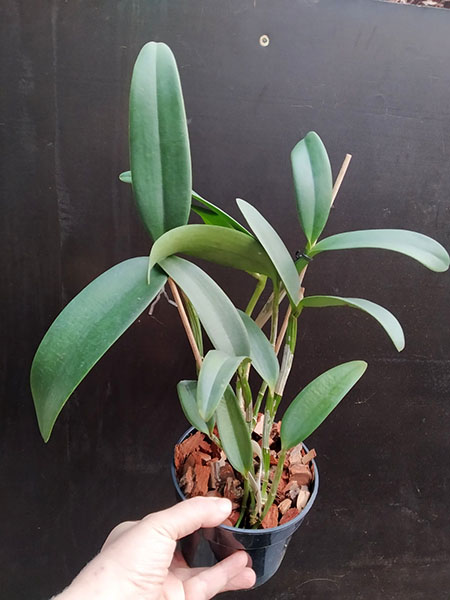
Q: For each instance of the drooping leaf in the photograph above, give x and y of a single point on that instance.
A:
(315, 402)
(216, 312)
(313, 184)
(125, 177)
(274, 247)
(215, 374)
(82, 333)
(220, 216)
(416, 245)
(262, 354)
(218, 244)
(187, 393)
(234, 433)
(386, 319)
(159, 145)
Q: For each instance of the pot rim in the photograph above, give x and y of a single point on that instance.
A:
(299, 517)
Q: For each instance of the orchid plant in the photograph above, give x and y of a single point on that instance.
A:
(221, 402)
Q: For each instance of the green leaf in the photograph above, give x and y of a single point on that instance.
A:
(382, 315)
(125, 177)
(213, 215)
(195, 323)
(216, 244)
(216, 312)
(82, 333)
(159, 145)
(315, 402)
(234, 433)
(215, 374)
(210, 213)
(187, 393)
(262, 354)
(416, 245)
(274, 247)
(209, 217)
(313, 184)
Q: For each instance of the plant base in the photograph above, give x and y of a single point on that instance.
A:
(265, 547)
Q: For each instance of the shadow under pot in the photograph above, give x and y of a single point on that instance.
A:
(266, 547)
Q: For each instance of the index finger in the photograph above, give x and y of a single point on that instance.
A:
(189, 515)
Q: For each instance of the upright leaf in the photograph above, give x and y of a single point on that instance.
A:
(218, 244)
(262, 354)
(159, 145)
(82, 333)
(274, 247)
(215, 215)
(416, 245)
(234, 433)
(313, 184)
(315, 402)
(385, 318)
(187, 393)
(215, 374)
(216, 312)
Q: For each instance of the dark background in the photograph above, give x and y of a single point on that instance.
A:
(372, 79)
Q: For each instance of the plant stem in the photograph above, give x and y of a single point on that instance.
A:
(275, 311)
(216, 440)
(244, 502)
(262, 280)
(267, 309)
(259, 399)
(275, 483)
(257, 494)
(283, 329)
(268, 421)
(265, 465)
(186, 324)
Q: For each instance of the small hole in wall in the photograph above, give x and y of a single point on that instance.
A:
(264, 40)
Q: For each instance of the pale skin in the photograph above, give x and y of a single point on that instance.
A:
(138, 560)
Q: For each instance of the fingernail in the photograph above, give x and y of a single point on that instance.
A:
(224, 505)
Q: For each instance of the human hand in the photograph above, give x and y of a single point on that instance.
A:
(137, 561)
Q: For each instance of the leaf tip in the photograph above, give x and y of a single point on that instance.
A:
(362, 365)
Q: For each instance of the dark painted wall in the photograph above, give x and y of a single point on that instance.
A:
(374, 80)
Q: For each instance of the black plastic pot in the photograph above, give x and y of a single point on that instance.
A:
(266, 547)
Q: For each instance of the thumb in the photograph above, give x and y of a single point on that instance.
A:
(188, 516)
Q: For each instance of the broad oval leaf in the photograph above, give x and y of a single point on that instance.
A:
(216, 312)
(275, 248)
(217, 244)
(216, 371)
(187, 393)
(234, 433)
(220, 216)
(262, 354)
(82, 333)
(315, 402)
(386, 319)
(416, 245)
(313, 184)
(159, 145)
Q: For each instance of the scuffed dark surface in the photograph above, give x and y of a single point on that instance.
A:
(373, 80)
